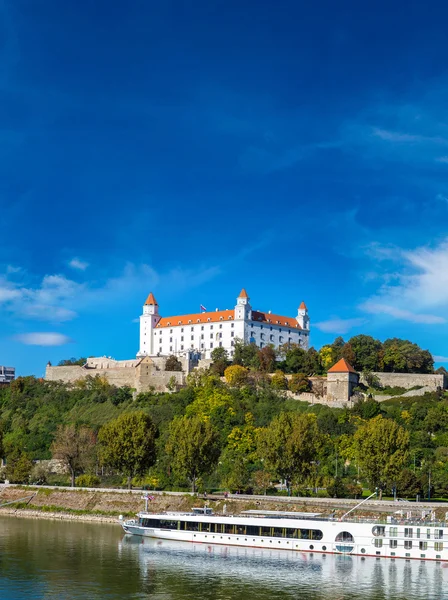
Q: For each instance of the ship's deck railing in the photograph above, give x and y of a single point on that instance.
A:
(394, 521)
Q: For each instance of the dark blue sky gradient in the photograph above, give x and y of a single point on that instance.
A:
(192, 148)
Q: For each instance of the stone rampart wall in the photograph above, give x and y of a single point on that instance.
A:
(432, 381)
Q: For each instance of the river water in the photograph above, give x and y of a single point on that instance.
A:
(53, 560)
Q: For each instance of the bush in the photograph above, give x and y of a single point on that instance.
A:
(173, 364)
(87, 481)
(236, 375)
(279, 381)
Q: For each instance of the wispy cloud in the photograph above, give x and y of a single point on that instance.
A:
(80, 265)
(376, 308)
(440, 359)
(338, 325)
(419, 285)
(57, 298)
(43, 339)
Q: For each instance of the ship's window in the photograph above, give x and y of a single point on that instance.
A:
(205, 527)
(379, 530)
(228, 528)
(193, 526)
(393, 531)
(311, 547)
(438, 534)
(423, 545)
(393, 543)
(291, 533)
(324, 547)
(240, 529)
(277, 532)
(408, 532)
(252, 530)
(265, 531)
(344, 536)
(378, 543)
(438, 546)
(408, 544)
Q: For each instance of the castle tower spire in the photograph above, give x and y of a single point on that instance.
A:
(148, 322)
(303, 318)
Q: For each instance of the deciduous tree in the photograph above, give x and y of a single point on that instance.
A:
(236, 375)
(193, 447)
(289, 445)
(74, 447)
(128, 444)
(381, 447)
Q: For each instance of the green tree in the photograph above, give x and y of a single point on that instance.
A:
(193, 447)
(289, 445)
(403, 356)
(246, 355)
(18, 467)
(128, 444)
(75, 448)
(367, 353)
(382, 448)
(220, 360)
(72, 361)
(173, 364)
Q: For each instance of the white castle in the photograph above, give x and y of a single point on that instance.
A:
(202, 332)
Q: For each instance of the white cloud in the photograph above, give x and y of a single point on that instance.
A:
(10, 269)
(75, 263)
(399, 313)
(440, 359)
(43, 339)
(337, 325)
(418, 291)
(442, 159)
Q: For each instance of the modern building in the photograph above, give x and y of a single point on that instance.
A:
(202, 332)
(7, 374)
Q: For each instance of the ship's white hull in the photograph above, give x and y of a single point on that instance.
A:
(364, 542)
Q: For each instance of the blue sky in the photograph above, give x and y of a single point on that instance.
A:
(192, 148)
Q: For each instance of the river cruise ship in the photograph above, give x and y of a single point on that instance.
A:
(399, 536)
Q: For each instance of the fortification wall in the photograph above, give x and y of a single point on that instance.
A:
(65, 374)
(432, 381)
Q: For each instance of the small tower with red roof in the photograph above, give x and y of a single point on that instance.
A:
(148, 322)
(302, 317)
(243, 309)
(341, 381)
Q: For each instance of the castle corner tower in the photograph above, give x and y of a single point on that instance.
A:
(148, 321)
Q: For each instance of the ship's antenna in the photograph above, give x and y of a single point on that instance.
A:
(358, 505)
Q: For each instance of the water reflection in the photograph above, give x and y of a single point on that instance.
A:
(52, 560)
(266, 572)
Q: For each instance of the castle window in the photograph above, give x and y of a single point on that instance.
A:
(189, 320)
(232, 343)
(289, 340)
(171, 348)
(202, 346)
(202, 336)
(181, 347)
(179, 322)
(171, 331)
(220, 344)
(220, 335)
(211, 344)
(181, 338)
(232, 325)
(171, 339)
(192, 337)
(270, 328)
(199, 320)
(220, 318)
(211, 326)
(211, 336)
(182, 330)
(192, 329)
(208, 319)
(202, 327)
(220, 326)
(262, 336)
(232, 334)
(271, 337)
(261, 344)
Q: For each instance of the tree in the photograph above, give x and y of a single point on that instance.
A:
(367, 353)
(279, 381)
(193, 447)
(299, 383)
(246, 355)
(18, 467)
(289, 444)
(173, 364)
(381, 447)
(236, 375)
(327, 356)
(75, 447)
(68, 362)
(128, 444)
(220, 361)
(403, 356)
(267, 358)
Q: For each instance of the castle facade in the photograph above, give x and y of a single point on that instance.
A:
(200, 333)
